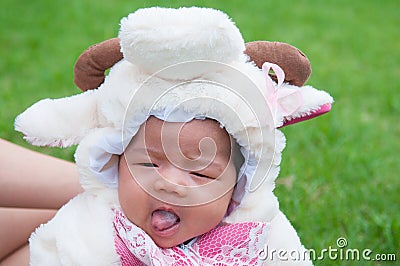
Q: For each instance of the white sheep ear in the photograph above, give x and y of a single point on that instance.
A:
(311, 103)
(59, 122)
(292, 104)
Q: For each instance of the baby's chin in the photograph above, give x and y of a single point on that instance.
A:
(170, 243)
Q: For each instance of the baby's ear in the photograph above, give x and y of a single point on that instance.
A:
(59, 122)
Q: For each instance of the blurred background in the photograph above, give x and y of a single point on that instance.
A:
(340, 172)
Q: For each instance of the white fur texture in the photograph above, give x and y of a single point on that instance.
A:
(80, 234)
(59, 122)
(155, 38)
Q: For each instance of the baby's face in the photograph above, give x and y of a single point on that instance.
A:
(176, 179)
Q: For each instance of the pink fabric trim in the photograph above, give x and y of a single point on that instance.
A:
(322, 110)
(232, 244)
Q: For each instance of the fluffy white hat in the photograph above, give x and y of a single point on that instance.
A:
(156, 38)
(180, 64)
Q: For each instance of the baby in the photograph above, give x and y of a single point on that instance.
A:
(179, 147)
(172, 198)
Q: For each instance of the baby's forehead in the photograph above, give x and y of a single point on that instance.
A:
(196, 128)
(193, 135)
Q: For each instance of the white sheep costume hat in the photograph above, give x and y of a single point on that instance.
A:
(178, 65)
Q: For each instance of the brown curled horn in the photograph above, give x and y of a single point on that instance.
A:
(294, 63)
(90, 66)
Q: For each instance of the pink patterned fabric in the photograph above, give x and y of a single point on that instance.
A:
(232, 244)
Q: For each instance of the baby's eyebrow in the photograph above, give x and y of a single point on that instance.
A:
(215, 164)
(151, 152)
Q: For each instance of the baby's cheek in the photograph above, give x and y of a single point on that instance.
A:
(128, 190)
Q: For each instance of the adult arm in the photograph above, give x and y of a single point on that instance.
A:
(29, 179)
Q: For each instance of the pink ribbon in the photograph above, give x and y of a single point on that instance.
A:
(286, 100)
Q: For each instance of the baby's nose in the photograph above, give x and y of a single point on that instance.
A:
(172, 181)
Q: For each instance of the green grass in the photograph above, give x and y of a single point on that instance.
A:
(340, 172)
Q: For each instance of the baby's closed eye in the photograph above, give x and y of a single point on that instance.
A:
(148, 165)
(202, 175)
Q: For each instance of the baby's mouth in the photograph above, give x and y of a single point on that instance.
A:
(164, 221)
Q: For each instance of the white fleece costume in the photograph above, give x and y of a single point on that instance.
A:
(178, 64)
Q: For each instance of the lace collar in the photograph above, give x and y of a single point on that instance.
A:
(231, 244)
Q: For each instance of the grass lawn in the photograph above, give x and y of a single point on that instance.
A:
(340, 172)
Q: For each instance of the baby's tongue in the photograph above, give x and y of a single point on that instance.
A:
(162, 220)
